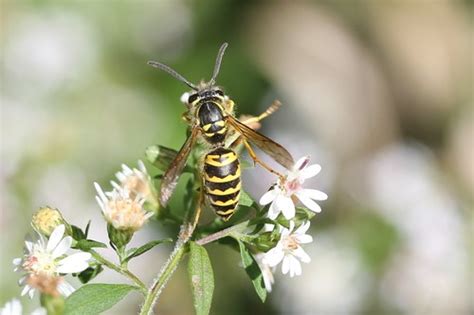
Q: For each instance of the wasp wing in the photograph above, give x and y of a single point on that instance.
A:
(171, 176)
(267, 145)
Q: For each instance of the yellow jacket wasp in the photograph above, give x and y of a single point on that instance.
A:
(210, 115)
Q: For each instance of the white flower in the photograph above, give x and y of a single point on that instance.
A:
(134, 181)
(282, 195)
(289, 250)
(14, 307)
(45, 261)
(123, 212)
(266, 270)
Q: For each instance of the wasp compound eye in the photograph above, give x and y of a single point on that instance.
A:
(192, 98)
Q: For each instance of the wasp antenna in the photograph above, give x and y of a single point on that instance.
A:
(172, 72)
(217, 66)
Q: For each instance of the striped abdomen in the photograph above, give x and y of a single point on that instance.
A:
(222, 181)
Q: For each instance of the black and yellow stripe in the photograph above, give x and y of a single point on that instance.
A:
(211, 120)
(222, 181)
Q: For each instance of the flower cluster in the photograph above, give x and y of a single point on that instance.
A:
(282, 198)
(46, 261)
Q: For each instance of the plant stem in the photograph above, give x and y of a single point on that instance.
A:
(221, 234)
(123, 271)
(185, 233)
(163, 278)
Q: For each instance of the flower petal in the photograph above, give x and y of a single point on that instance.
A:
(310, 171)
(62, 247)
(141, 167)
(308, 202)
(295, 266)
(55, 237)
(315, 194)
(289, 211)
(301, 163)
(74, 263)
(285, 266)
(301, 254)
(273, 211)
(304, 238)
(29, 246)
(285, 204)
(268, 197)
(303, 228)
(274, 256)
(12, 307)
(25, 290)
(100, 192)
(65, 288)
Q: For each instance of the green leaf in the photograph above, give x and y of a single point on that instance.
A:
(245, 199)
(90, 273)
(96, 298)
(143, 249)
(86, 231)
(86, 245)
(77, 233)
(201, 277)
(253, 271)
(303, 214)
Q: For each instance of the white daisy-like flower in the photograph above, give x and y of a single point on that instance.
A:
(45, 261)
(289, 250)
(135, 181)
(283, 194)
(267, 271)
(123, 212)
(13, 307)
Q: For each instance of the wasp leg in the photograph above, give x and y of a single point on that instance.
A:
(270, 110)
(257, 160)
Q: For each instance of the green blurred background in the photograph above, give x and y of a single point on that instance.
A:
(379, 93)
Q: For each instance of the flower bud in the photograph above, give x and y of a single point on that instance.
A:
(120, 238)
(46, 219)
(54, 304)
(266, 241)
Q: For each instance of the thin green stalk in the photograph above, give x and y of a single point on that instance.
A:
(163, 278)
(123, 271)
(223, 233)
(185, 233)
